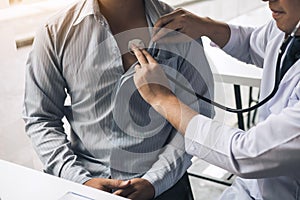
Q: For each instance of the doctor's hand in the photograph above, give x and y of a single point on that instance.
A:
(107, 185)
(189, 26)
(139, 189)
(153, 85)
(150, 78)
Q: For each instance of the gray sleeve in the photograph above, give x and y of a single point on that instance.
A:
(44, 109)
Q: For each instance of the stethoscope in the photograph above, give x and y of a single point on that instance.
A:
(282, 50)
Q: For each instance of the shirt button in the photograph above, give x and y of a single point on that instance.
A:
(192, 148)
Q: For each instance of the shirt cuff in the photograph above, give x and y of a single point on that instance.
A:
(75, 173)
(162, 180)
(152, 178)
(196, 135)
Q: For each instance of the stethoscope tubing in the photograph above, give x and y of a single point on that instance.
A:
(228, 109)
(234, 110)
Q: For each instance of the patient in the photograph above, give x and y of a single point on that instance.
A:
(116, 142)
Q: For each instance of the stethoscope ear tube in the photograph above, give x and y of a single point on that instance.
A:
(295, 29)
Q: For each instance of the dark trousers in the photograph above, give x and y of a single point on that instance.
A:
(180, 191)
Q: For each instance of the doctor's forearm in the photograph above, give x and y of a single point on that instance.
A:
(218, 32)
(176, 112)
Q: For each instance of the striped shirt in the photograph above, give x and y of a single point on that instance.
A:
(114, 132)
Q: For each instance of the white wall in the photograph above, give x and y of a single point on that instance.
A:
(224, 9)
(4, 3)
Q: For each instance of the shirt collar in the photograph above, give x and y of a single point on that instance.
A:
(154, 10)
(91, 7)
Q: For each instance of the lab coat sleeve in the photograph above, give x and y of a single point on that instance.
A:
(44, 109)
(269, 149)
(249, 44)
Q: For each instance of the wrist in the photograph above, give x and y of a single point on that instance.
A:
(165, 102)
(218, 32)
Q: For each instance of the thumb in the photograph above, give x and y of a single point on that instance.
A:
(124, 184)
(116, 184)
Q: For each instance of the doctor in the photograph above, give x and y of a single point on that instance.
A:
(266, 158)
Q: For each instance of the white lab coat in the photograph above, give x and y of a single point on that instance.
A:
(267, 156)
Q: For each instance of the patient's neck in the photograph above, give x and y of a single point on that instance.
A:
(122, 9)
(125, 18)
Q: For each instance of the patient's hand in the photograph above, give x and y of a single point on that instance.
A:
(107, 184)
(138, 189)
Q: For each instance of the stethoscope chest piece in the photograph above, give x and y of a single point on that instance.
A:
(136, 42)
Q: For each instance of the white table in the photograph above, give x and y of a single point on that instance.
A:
(18, 182)
(227, 69)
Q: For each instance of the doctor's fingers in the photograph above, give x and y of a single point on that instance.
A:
(175, 21)
(149, 57)
(140, 56)
(166, 19)
(144, 57)
(174, 27)
(175, 38)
